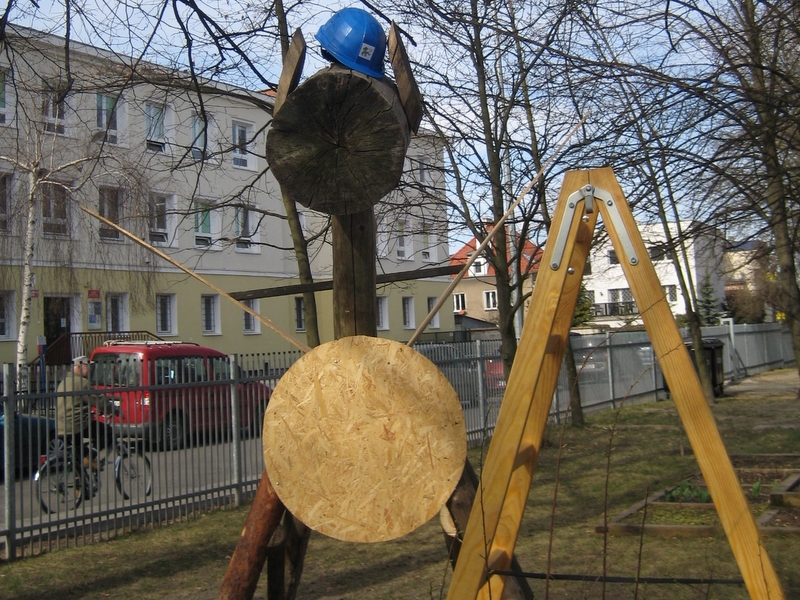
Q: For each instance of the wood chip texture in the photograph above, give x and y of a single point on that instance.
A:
(364, 439)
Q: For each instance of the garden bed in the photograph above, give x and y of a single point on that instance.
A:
(770, 482)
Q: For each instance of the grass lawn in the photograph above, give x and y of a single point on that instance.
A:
(648, 452)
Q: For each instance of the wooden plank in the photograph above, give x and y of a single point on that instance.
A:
(292, 69)
(321, 286)
(698, 422)
(504, 452)
(406, 84)
(502, 547)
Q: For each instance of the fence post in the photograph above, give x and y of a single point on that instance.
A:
(610, 371)
(9, 406)
(236, 446)
(481, 394)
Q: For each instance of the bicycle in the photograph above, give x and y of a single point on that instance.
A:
(63, 481)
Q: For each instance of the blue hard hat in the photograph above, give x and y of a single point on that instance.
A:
(355, 38)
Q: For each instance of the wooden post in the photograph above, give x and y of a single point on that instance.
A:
(354, 273)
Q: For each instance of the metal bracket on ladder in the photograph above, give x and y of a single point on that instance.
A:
(588, 193)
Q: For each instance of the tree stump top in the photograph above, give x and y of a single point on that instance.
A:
(338, 143)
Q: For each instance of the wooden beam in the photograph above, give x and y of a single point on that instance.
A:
(321, 286)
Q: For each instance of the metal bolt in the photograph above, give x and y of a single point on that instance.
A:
(554, 266)
(572, 205)
(571, 271)
(634, 261)
(610, 202)
(585, 218)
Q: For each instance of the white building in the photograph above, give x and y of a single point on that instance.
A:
(186, 172)
(701, 252)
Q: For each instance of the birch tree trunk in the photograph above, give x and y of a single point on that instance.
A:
(27, 274)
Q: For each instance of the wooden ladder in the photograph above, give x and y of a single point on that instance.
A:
(494, 522)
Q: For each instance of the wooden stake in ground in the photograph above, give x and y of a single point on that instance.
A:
(494, 521)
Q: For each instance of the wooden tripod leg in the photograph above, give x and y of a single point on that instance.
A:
(734, 514)
(502, 546)
(506, 452)
(248, 558)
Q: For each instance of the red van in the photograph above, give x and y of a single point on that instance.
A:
(169, 392)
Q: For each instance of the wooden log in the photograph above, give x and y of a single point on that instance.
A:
(248, 558)
(354, 274)
(339, 141)
(406, 84)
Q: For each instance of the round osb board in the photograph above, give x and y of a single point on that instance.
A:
(364, 439)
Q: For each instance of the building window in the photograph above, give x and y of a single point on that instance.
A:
(244, 228)
(54, 209)
(206, 225)
(478, 267)
(3, 98)
(429, 244)
(111, 209)
(670, 292)
(107, 117)
(382, 313)
(158, 218)
(658, 253)
(612, 257)
(409, 321)
(404, 247)
(239, 139)
(154, 127)
(209, 314)
(5, 203)
(201, 138)
(434, 324)
(116, 312)
(299, 314)
(423, 170)
(249, 323)
(490, 300)
(54, 107)
(620, 295)
(587, 268)
(166, 316)
(459, 302)
(6, 315)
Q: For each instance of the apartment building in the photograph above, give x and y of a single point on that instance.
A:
(180, 164)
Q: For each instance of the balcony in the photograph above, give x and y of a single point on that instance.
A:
(615, 309)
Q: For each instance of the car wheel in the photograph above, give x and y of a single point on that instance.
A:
(174, 431)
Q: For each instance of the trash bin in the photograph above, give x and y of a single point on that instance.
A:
(712, 351)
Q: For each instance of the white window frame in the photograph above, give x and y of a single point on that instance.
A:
(6, 98)
(477, 268)
(241, 156)
(299, 313)
(404, 243)
(459, 301)
(155, 126)
(50, 222)
(434, 324)
(7, 315)
(251, 325)
(109, 234)
(170, 302)
(382, 313)
(409, 319)
(670, 292)
(430, 244)
(247, 243)
(161, 236)
(210, 314)
(6, 185)
(54, 113)
(206, 239)
(203, 132)
(108, 117)
(490, 300)
(124, 314)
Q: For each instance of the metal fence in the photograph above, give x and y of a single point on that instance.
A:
(221, 462)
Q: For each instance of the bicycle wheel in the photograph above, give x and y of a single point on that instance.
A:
(133, 475)
(58, 486)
